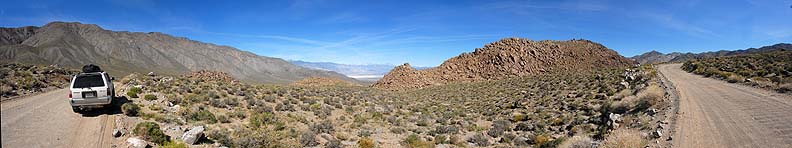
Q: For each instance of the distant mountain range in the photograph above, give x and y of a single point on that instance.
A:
(74, 44)
(360, 72)
(657, 57)
(508, 58)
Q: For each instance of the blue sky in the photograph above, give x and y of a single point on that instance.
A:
(425, 33)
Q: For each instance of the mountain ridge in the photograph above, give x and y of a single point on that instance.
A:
(73, 44)
(658, 57)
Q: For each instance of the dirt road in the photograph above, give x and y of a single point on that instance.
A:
(46, 120)
(713, 113)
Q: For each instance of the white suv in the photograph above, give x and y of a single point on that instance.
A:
(91, 90)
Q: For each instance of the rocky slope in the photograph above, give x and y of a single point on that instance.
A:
(510, 57)
(121, 52)
(657, 57)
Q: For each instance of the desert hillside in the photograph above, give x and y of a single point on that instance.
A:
(507, 58)
(121, 53)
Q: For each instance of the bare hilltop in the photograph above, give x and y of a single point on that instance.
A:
(507, 58)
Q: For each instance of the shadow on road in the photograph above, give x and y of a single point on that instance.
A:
(114, 108)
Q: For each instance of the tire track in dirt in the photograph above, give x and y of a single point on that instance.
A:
(46, 120)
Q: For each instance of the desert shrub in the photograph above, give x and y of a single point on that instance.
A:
(239, 114)
(220, 136)
(136, 90)
(413, 141)
(552, 143)
(223, 118)
(132, 94)
(155, 107)
(285, 107)
(231, 102)
(174, 144)
(542, 139)
(523, 126)
(308, 139)
(202, 115)
(442, 139)
(498, 127)
(150, 131)
(520, 117)
(366, 142)
(479, 139)
(422, 122)
(150, 97)
(735, 78)
(262, 119)
(270, 98)
(624, 138)
(130, 109)
(323, 127)
(219, 103)
(333, 143)
(577, 142)
(448, 129)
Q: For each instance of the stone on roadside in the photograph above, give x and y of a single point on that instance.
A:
(117, 133)
(136, 142)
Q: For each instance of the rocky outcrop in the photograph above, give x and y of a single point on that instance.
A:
(121, 53)
(12, 36)
(510, 57)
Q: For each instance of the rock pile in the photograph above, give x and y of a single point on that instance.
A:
(510, 57)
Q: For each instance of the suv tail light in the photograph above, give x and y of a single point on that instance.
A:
(108, 91)
(70, 94)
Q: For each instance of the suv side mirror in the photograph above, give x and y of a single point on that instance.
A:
(112, 78)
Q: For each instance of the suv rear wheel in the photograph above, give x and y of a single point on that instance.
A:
(75, 109)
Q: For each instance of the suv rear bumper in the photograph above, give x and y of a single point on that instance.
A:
(87, 102)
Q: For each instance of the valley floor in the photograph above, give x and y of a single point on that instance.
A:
(714, 113)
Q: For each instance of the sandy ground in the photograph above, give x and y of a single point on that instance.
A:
(46, 120)
(713, 113)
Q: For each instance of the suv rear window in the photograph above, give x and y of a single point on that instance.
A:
(88, 80)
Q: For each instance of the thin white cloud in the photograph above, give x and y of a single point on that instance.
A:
(668, 20)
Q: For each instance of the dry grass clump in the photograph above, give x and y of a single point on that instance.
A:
(577, 142)
(366, 142)
(624, 138)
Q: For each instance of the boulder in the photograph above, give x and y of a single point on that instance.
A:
(192, 136)
(117, 133)
(615, 117)
(657, 134)
(136, 142)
